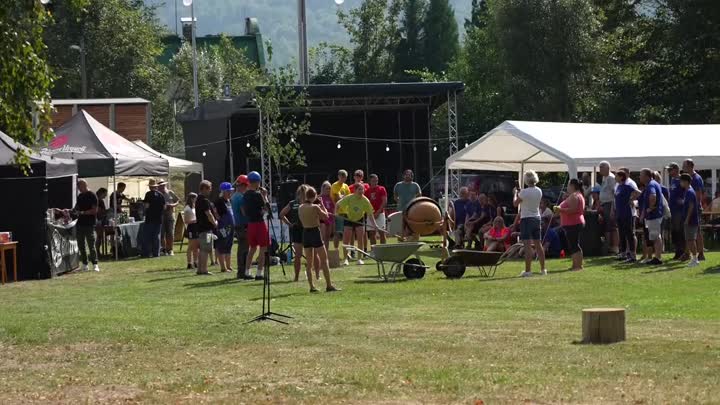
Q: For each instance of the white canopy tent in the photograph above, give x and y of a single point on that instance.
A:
(517, 146)
(176, 165)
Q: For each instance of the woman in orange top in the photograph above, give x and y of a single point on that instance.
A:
(497, 239)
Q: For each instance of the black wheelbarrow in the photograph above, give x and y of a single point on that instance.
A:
(455, 265)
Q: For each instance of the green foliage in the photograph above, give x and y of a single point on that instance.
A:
(441, 43)
(478, 15)
(409, 54)
(375, 34)
(25, 79)
(330, 64)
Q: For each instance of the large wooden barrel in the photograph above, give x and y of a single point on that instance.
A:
(423, 216)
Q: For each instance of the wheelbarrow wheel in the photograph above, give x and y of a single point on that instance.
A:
(412, 269)
(453, 267)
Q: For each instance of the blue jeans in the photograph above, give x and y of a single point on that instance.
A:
(151, 240)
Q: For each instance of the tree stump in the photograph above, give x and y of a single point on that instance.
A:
(603, 325)
(333, 258)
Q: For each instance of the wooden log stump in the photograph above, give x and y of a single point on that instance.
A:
(333, 259)
(603, 325)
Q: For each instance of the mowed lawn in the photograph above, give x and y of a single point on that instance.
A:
(150, 331)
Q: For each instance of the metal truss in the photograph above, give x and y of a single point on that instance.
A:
(453, 141)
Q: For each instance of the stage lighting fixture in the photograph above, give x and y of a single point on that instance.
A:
(339, 146)
(387, 148)
(187, 3)
(339, 2)
(204, 154)
(466, 144)
(434, 148)
(247, 145)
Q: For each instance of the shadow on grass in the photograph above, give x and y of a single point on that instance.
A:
(664, 269)
(168, 270)
(712, 270)
(274, 297)
(377, 280)
(155, 280)
(214, 283)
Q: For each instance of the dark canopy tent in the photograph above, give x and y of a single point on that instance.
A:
(382, 128)
(23, 210)
(100, 152)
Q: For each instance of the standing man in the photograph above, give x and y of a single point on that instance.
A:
(255, 204)
(607, 197)
(154, 207)
(406, 190)
(167, 233)
(378, 198)
(698, 186)
(86, 209)
(237, 201)
(338, 190)
(116, 199)
(690, 218)
(206, 224)
(358, 177)
(652, 213)
(676, 202)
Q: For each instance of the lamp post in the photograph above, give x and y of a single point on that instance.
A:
(304, 73)
(189, 3)
(83, 73)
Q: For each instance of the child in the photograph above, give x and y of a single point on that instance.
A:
(328, 225)
(192, 234)
(311, 214)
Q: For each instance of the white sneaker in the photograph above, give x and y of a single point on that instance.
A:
(694, 263)
(96, 268)
(84, 267)
(170, 253)
(526, 274)
(346, 262)
(543, 272)
(360, 262)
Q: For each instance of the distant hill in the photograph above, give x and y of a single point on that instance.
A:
(277, 18)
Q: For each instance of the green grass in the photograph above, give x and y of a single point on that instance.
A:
(146, 331)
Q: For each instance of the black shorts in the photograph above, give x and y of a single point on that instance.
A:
(572, 235)
(192, 232)
(296, 234)
(352, 224)
(311, 238)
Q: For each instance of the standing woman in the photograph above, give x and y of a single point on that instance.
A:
(190, 220)
(310, 214)
(528, 202)
(573, 221)
(328, 225)
(289, 215)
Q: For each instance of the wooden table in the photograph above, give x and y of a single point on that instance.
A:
(4, 247)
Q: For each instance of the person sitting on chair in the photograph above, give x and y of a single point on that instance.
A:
(497, 238)
(458, 216)
(480, 222)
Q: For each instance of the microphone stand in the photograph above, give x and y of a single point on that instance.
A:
(267, 314)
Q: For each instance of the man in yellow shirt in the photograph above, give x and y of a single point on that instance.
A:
(339, 190)
(353, 208)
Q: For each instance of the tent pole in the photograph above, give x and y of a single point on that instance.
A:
(116, 229)
(593, 177)
(447, 185)
(714, 181)
(521, 183)
(430, 155)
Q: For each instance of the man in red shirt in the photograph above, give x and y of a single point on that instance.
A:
(378, 198)
(358, 178)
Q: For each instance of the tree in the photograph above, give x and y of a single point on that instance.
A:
(409, 54)
(374, 32)
(441, 44)
(330, 64)
(478, 15)
(25, 79)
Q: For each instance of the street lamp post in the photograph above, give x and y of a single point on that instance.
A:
(83, 72)
(194, 49)
(304, 72)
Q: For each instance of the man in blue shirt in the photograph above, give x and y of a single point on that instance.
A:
(459, 208)
(691, 218)
(625, 193)
(698, 185)
(652, 213)
(677, 194)
(241, 184)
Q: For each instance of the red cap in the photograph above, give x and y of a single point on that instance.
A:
(242, 179)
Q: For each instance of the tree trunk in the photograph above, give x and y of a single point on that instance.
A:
(603, 325)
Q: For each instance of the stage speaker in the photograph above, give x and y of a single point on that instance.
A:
(286, 192)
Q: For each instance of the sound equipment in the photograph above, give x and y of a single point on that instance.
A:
(286, 192)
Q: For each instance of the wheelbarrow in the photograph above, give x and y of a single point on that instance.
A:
(487, 262)
(396, 255)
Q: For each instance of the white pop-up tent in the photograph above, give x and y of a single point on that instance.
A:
(177, 165)
(517, 146)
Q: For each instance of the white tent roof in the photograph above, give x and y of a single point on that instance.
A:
(176, 165)
(558, 147)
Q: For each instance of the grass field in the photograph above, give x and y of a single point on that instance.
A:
(146, 331)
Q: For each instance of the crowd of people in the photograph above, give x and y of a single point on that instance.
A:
(621, 205)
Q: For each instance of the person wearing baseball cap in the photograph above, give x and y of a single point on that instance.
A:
(237, 202)
(225, 228)
(690, 218)
(254, 207)
(698, 184)
(154, 206)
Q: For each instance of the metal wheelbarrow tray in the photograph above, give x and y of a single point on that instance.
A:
(397, 255)
(487, 262)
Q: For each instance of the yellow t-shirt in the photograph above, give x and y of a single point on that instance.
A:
(354, 207)
(338, 190)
